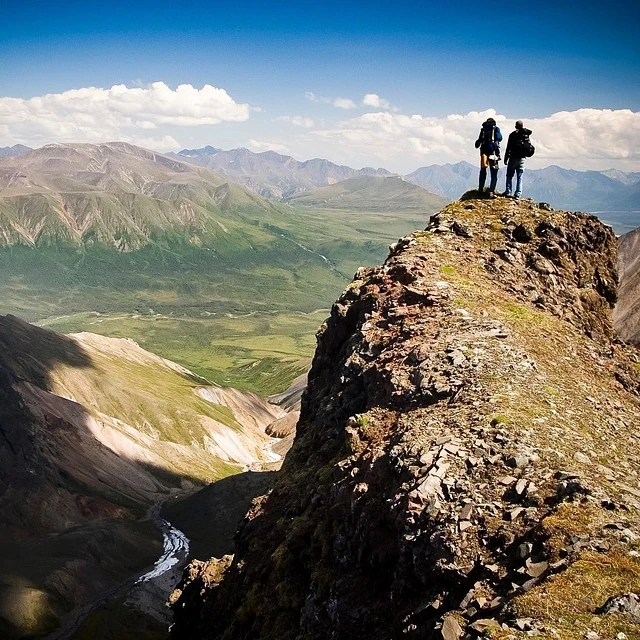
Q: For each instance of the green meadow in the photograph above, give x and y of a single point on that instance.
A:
(240, 311)
(260, 352)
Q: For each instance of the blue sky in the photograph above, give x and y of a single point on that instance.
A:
(527, 60)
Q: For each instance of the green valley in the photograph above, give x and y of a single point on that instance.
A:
(124, 242)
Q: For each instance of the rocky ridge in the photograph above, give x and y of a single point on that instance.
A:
(466, 461)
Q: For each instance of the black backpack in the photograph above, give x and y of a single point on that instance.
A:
(488, 134)
(522, 147)
(487, 140)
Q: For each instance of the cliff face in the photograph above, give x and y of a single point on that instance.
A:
(626, 316)
(466, 455)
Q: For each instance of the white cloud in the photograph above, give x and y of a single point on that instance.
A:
(266, 145)
(593, 135)
(297, 121)
(582, 139)
(94, 114)
(343, 103)
(340, 103)
(166, 143)
(375, 101)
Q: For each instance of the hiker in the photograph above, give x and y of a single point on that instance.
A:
(519, 147)
(489, 144)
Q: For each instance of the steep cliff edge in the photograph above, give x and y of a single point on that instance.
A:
(626, 315)
(466, 456)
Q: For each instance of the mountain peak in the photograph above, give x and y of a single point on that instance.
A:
(273, 175)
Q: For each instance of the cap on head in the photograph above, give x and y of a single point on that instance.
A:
(491, 121)
(519, 124)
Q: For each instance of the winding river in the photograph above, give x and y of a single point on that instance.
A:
(147, 592)
(151, 590)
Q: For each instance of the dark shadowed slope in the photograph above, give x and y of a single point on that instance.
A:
(626, 316)
(93, 431)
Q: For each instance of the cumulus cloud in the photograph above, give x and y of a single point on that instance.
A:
(592, 134)
(586, 138)
(297, 121)
(95, 114)
(344, 103)
(375, 101)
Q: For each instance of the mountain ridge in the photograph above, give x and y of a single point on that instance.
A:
(271, 174)
(562, 188)
(114, 193)
(606, 190)
(451, 471)
(279, 177)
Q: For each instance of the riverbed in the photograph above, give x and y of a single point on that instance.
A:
(145, 592)
(151, 591)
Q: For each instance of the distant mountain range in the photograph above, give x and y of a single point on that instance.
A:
(119, 228)
(279, 177)
(270, 174)
(16, 150)
(610, 190)
(114, 194)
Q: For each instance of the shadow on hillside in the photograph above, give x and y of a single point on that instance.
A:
(72, 509)
(210, 518)
(31, 352)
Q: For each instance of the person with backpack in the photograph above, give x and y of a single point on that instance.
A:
(519, 147)
(489, 144)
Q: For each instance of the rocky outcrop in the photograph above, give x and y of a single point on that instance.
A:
(466, 461)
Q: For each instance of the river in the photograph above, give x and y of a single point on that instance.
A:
(147, 592)
(151, 591)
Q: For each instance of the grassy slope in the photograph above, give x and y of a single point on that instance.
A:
(261, 352)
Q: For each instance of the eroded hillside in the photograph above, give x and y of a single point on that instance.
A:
(466, 460)
(93, 432)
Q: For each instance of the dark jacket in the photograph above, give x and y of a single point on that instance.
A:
(512, 143)
(489, 139)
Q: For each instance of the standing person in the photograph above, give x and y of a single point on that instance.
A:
(489, 144)
(519, 147)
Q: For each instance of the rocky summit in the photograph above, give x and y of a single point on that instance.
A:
(466, 460)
